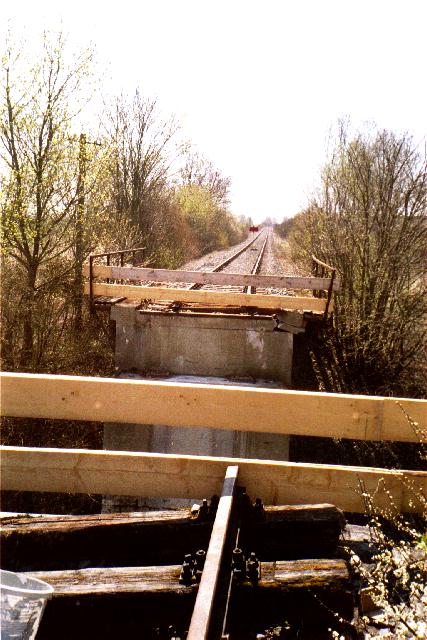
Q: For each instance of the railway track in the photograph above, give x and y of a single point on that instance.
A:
(247, 567)
(235, 264)
(249, 259)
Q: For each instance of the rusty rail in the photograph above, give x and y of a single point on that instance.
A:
(210, 609)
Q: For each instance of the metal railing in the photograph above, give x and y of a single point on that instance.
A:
(321, 269)
(108, 255)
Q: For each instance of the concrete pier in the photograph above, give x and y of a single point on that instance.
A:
(224, 345)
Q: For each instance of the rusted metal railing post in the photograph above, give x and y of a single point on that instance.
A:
(108, 258)
(324, 268)
(121, 264)
(330, 289)
(91, 306)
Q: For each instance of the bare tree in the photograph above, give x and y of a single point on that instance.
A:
(143, 148)
(200, 172)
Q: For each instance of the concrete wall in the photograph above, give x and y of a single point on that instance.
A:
(245, 347)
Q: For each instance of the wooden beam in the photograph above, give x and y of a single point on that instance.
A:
(165, 579)
(161, 475)
(148, 402)
(68, 542)
(114, 581)
(210, 277)
(220, 298)
(305, 574)
(204, 607)
(160, 537)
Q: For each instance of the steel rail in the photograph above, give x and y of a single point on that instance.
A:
(210, 608)
(257, 266)
(228, 260)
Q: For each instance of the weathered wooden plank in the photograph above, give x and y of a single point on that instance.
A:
(162, 475)
(203, 611)
(114, 580)
(105, 581)
(232, 407)
(306, 574)
(221, 298)
(30, 544)
(210, 277)
(110, 581)
(160, 537)
(223, 407)
(293, 531)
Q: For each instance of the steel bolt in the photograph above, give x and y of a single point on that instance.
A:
(258, 510)
(199, 564)
(187, 569)
(245, 506)
(238, 564)
(200, 558)
(253, 568)
(204, 510)
(213, 505)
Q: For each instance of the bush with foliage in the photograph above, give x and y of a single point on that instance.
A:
(369, 220)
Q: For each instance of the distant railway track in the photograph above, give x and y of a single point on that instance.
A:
(258, 244)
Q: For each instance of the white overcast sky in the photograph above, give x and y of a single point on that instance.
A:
(256, 85)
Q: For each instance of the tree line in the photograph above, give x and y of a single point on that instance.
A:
(66, 192)
(368, 218)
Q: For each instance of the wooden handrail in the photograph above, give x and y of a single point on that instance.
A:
(223, 407)
(219, 298)
(142, 274)
(179, 476)
(147, 402)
